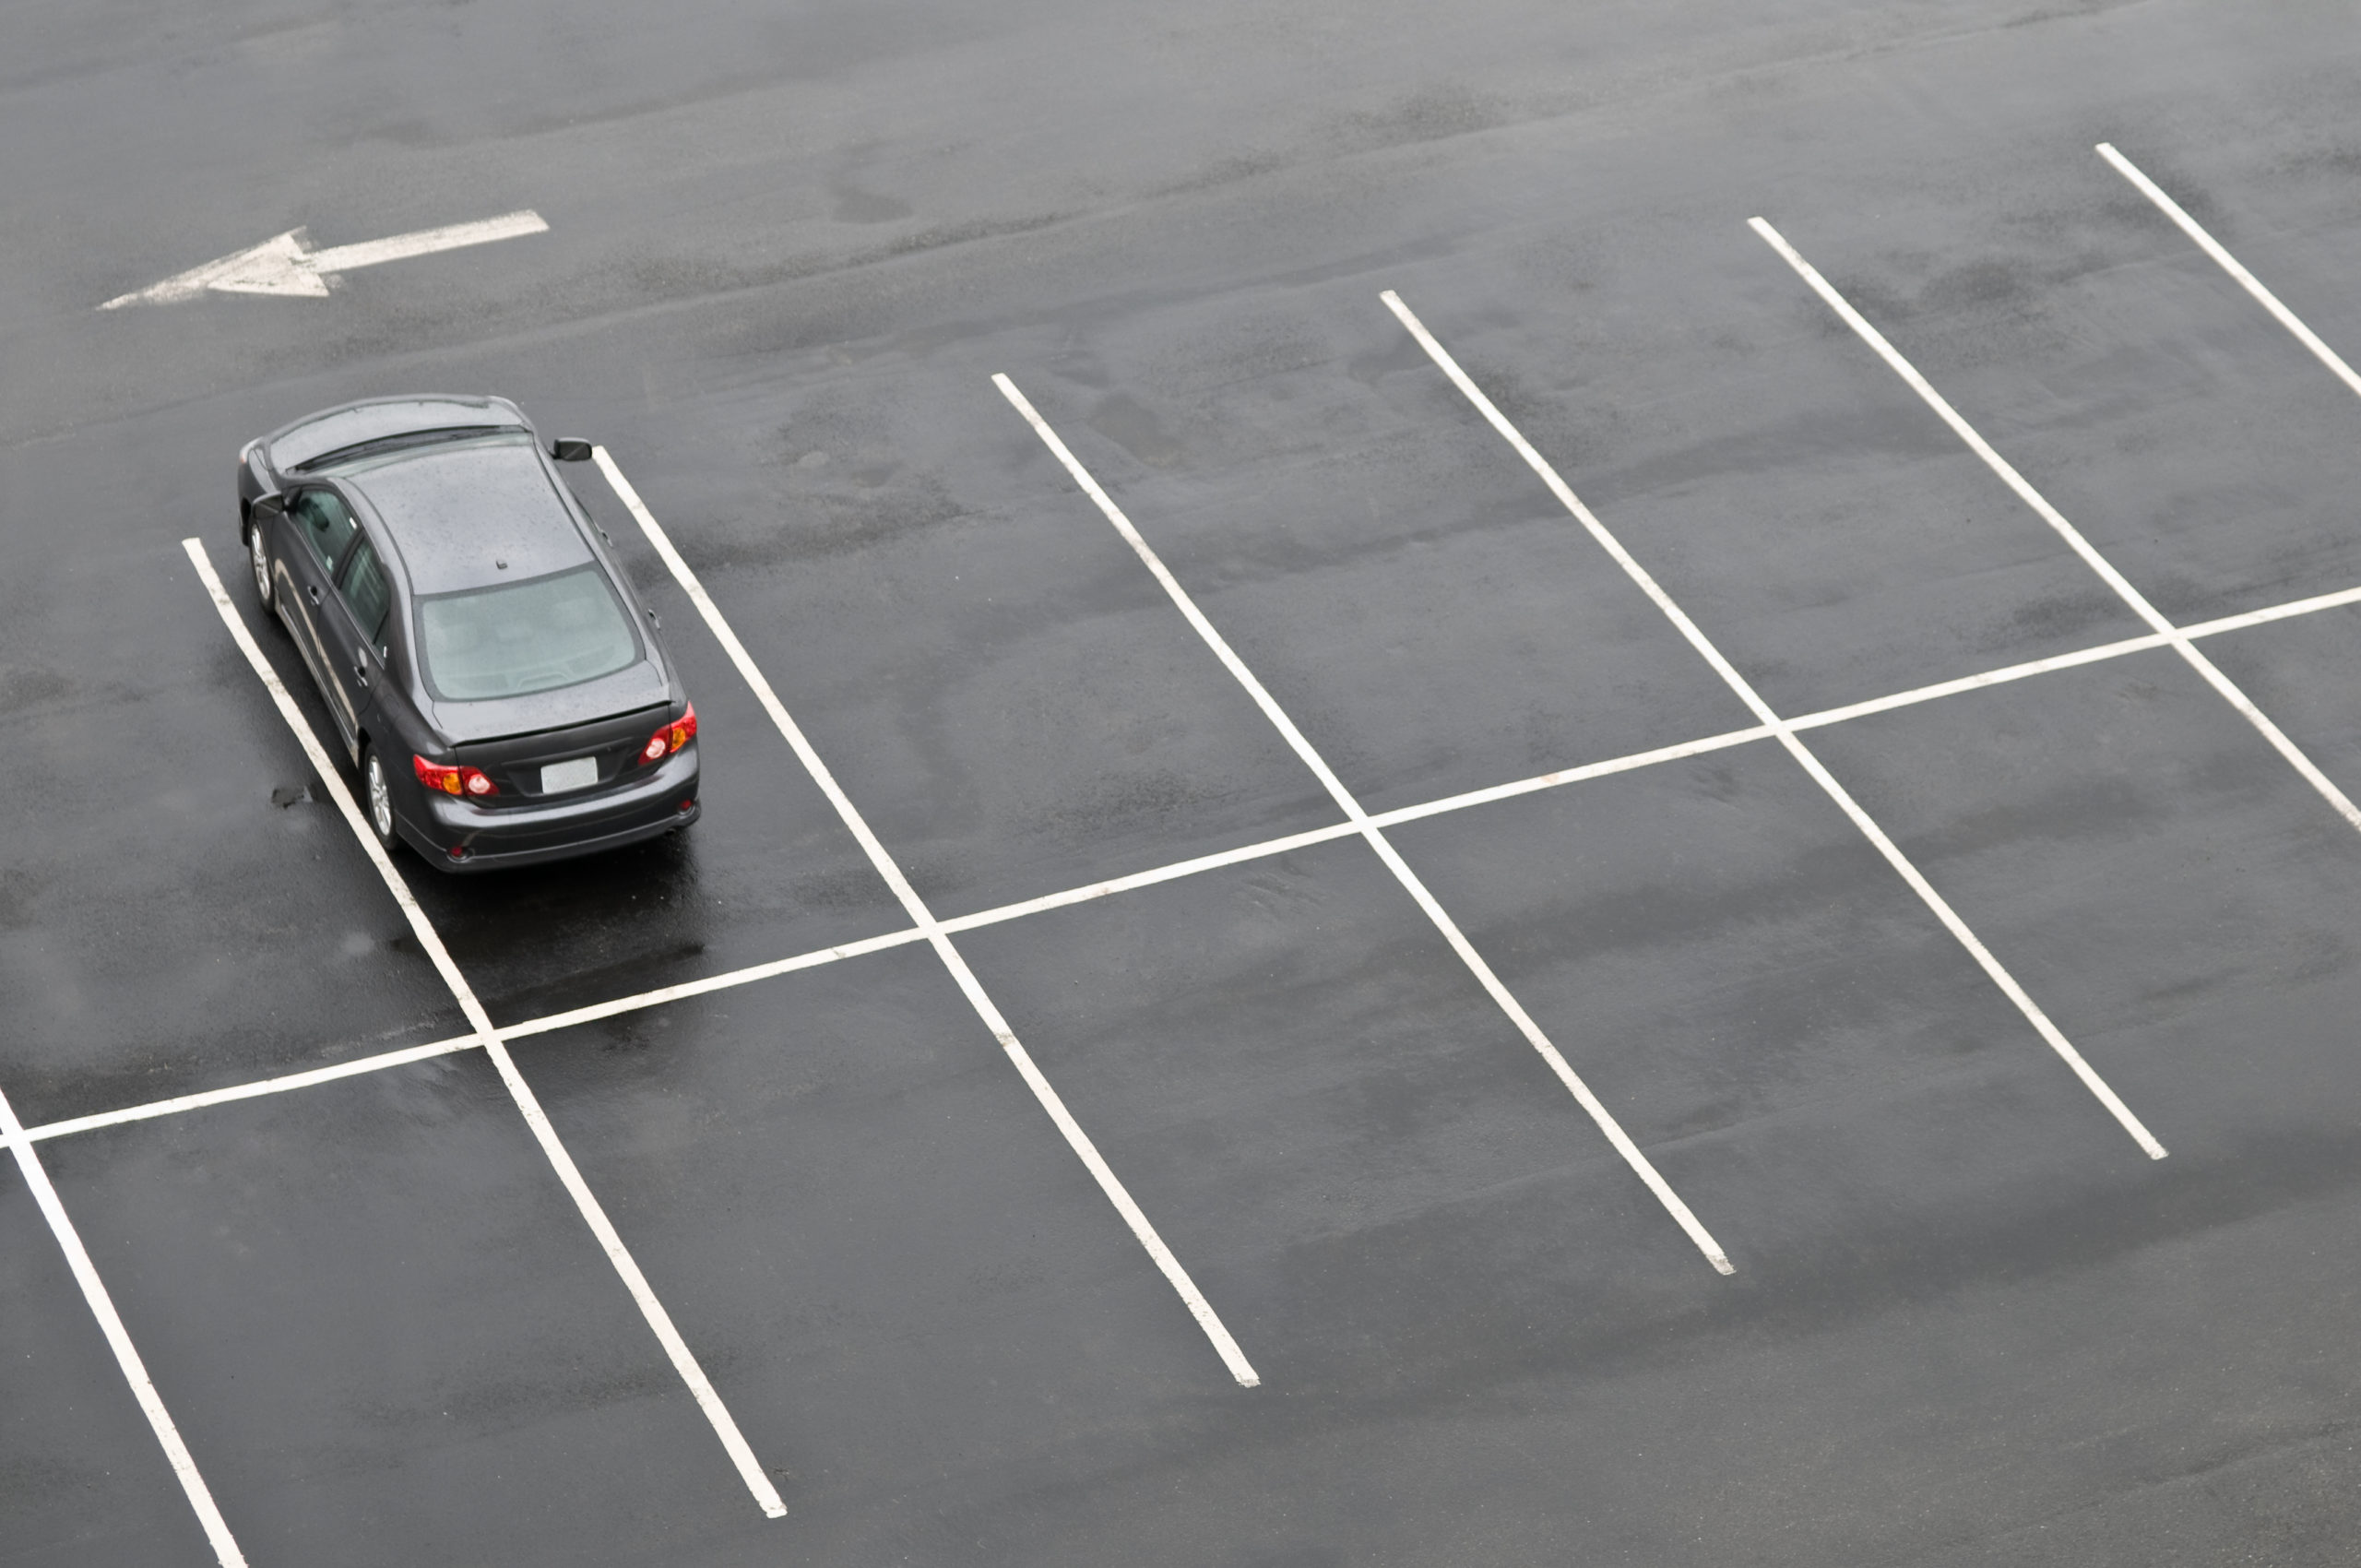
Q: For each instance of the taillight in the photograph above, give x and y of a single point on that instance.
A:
(672, 737)
(453, 780)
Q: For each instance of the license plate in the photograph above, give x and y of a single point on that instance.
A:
(579, 774)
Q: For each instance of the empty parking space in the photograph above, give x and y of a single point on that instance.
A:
(373, 1293)
(1780, 1017)
(895, 1271)
(2196, 444)
(1835, 541)
(1418, 605)
(2257, 196)
(1365, 1166)
(2157, 874)
(81, 1477)
(1034, 720)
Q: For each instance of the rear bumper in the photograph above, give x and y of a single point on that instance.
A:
(492, 838)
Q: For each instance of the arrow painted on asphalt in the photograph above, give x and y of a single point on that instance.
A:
(287, 264)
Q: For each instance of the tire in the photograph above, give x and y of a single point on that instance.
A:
(258, 557)
(377, 799)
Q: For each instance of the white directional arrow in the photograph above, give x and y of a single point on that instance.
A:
(287, 264)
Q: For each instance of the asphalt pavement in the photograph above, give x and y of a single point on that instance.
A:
(1448, 1028)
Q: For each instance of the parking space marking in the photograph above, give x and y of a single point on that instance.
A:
(255, 1089)
(548, 1024)
(1910, 698)
(749, 1468)
(1375, 838)
(711, 983)
(118, 1338)
(2178, 639)
(1244, 853)
(935, 935)
(2229, 264)
(1570, 775)
(1783, 730)
(2270, 613)
(1177, 870)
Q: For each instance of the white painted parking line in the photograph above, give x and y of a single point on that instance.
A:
(1975, 683)
(2229, 264)
(936, 934)
(1179, 869)
(711, 983)
(2179, 640)
(408, 1054)
(2273, 612)
(283, 1084)
(118, 1338)
(1375, 838)
(750, 1469)
(1571, 776)
(731, 979)
(1785, 730)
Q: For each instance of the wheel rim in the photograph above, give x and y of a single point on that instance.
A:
(381, 799)
(260, 555)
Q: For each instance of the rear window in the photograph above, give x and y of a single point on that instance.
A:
(520, 638)
(373, 456)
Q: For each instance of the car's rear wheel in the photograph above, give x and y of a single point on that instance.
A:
(378, 799)
(258, 553)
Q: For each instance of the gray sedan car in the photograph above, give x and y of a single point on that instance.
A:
(500, 688)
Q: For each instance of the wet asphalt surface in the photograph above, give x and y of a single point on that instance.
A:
(1969, 1321)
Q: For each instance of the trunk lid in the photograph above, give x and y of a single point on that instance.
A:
(628, 690)
(610, 744)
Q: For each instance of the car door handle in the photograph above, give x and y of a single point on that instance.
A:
(361, 675)
(314, 589)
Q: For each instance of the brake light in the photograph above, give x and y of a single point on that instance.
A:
(453, 780)
(672, 737)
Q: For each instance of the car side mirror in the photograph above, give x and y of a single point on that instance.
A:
(269, 503)
(570, 451)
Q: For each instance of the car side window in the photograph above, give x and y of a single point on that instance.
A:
(367, 593)
(321, 518)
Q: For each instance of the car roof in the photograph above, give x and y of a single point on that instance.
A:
(317, 435)
(458, 510)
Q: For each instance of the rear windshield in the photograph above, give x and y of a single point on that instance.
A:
(352, 461)
(523, 637)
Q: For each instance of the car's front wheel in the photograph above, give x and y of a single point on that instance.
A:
(258, 553)
(378, 799)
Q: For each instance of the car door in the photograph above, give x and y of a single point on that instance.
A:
(354, 626)
(319, 517)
